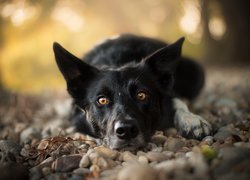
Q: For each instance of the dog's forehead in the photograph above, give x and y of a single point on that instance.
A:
(120, 80)
(123, 77)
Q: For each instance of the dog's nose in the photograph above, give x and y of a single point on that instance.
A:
(126, 130)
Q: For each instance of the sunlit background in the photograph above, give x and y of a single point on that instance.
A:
(215, 31)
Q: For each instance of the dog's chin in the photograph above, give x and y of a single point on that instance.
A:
(126, 145)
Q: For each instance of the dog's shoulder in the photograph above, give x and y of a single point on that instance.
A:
(123, 49)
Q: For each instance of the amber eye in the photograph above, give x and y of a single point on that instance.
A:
(142, 96)
(103, 100)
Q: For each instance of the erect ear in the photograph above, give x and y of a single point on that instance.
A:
(165, 59)
(77, 73)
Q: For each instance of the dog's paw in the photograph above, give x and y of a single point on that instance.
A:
(188, 124)
(191, 125)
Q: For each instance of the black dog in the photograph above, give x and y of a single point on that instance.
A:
(125, 88)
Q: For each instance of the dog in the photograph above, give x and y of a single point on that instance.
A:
(128, 87)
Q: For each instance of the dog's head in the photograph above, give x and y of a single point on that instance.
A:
(122, 106)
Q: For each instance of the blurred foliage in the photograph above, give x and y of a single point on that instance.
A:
(29, 28)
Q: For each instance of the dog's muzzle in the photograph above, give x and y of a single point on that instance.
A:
(126, 130)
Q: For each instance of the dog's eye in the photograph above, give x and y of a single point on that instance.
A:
(142, 96)
(103, 100)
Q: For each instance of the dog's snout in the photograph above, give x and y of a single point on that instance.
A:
(126, 130)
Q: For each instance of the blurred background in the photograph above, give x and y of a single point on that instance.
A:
(216, 31)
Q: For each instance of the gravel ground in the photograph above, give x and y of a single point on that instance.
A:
(38, 142)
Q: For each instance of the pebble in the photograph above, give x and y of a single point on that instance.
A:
(129, 157)
(45, 163)
(19, 127)
(143, 159)
(170, 154)
(9, 147)
(150, 146)
(156, 156)
(141, 153)
(94, 168)
(109, 173)
(225, 102)
(209, 140)
(242, 144)
(193, 167)
(222, 135)
(158, 139)
(180, 155)
(67, 163)
(35, 173)
(84, 162)
(46, 171)
(75, 177)
(173, 144)
(57, 176)
(93, 156)
(170, 132)
(28, 134)
(136, 172)
(43, 145)
(100, 162)
(106, 152)
(111, 163)
(81, 171)
(157, 149)
(235, 160)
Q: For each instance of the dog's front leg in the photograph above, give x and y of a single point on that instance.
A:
(188, 124)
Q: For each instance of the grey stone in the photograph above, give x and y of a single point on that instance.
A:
(10, 146)
(235, 160)
(208, 139)
(46, 171)
(81, 171)
(58, 176)
(53, 128)
(225, 102)
(173, 144)
(157, 149)
(158, 139)
(75, 177)
(29, 134)
(222, 135)
(35, 173)
(9, 150)
(109, 174)
(156, 156)
(242, 144)
(67, 163)
(191, 167)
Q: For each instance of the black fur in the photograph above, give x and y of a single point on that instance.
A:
(119, 69)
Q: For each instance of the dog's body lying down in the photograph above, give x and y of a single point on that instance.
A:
(126, 89)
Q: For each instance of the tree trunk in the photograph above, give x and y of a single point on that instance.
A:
(234, 46)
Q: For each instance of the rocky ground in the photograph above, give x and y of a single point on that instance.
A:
(37, 141)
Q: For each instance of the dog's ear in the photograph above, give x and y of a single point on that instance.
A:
(164, 61)
(76, 72)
